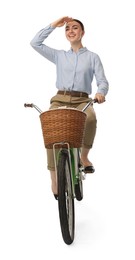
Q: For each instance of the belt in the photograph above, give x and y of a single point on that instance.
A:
(72, 93)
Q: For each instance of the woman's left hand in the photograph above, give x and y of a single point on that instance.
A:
(100, 98)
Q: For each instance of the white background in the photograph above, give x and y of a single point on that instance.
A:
(105, 219)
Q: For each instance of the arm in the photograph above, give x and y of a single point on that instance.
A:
(101, 80)
(37, 41)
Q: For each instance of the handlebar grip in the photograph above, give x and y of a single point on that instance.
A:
(96, 100)
(28, 105)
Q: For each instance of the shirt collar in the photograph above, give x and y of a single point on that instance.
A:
(81, 50)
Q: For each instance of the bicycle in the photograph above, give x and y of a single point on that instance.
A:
(70, 172)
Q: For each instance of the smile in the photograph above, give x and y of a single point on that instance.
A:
(71, 36)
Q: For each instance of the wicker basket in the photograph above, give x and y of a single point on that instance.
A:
(63, 125)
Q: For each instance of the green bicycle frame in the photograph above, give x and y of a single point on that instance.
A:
(74, 165)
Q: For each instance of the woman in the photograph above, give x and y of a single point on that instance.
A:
(75, 71)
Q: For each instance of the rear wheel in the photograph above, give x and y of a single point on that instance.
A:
(79, 190)
(65, 198)
(79, 185)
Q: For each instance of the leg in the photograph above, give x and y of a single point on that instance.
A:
(84, 157)
(90, 129)
(88, 167)
(51, 168)
(54, 182)
(89, 135)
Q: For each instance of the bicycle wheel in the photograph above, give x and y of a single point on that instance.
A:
(65, 198)
(79, 185)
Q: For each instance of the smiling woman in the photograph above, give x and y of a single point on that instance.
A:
(75, 71)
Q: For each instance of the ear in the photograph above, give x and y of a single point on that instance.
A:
(83, 32)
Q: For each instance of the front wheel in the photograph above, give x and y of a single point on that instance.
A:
(65, 198)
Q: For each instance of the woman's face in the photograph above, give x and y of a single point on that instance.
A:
(74, 32)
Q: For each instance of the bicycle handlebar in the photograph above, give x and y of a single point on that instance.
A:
(40, 111)
(90, 103)
(33, 105)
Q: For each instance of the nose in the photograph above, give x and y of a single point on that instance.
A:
(71, 29)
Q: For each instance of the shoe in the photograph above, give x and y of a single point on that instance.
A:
(89, 169)
(55, 196)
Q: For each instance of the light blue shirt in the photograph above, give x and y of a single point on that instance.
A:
(75, 70)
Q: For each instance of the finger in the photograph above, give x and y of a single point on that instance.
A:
(99, 100)
(68, 19)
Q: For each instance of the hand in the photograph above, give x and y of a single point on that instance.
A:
(60, 22)
(100, 98)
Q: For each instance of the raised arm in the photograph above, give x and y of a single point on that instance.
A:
(37, 41)
(44, 50)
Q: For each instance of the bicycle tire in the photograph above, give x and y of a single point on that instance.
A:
(79, 184)
(79, 190)
(65, 198)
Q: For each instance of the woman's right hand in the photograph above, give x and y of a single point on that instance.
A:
(60, 22)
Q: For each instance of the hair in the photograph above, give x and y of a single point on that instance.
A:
(81, 24)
